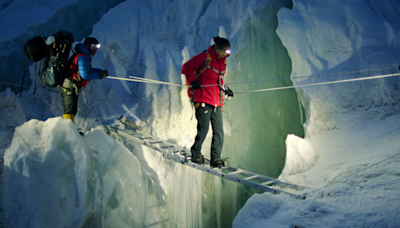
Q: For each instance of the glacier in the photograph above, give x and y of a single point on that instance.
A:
(338, 140)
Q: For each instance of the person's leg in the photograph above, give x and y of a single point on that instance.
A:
(218, 134)
(203, 123)
(69, 96)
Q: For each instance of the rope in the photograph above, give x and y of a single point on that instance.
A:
(5, 83)
(152, 81)
(144, 80)
(311, 76)
(321, 83)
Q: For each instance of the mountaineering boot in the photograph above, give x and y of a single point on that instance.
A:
(69, 116)
(200, 160)
(218, 163)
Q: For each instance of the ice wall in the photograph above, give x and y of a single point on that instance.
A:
(52, 177)
(351, 129)
(342, 40)
(152, 39)
(256, 124)
(20, 20)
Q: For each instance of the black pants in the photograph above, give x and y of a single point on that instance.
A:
(204, 115)
(69, 94)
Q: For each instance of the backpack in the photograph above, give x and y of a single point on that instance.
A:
(199, 72)
(35, 48)
(55, 63)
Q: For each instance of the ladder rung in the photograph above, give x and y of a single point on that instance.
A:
(236, 172)
(183, 156)
(268, 182)
(145, 138)
(251, 177)
(163, 147)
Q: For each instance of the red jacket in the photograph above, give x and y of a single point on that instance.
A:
(75, 68)
(212, 95)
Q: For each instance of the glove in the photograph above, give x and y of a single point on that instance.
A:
(228, 93)
(103, 74)
(195, 84)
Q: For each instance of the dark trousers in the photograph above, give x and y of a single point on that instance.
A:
(204, 115)
(69, 94)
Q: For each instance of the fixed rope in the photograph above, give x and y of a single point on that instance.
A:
(152, 81)
(311, 76)
(321, 83)
(6, 83)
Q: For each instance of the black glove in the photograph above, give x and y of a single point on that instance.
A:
(229, 93)
(195, 84)
(103, 74)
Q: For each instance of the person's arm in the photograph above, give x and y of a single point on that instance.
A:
(85, 71)
(195, 63)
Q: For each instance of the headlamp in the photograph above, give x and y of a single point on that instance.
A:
(227, 51)
(95, 46)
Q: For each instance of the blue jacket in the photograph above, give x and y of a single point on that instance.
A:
(84, 66)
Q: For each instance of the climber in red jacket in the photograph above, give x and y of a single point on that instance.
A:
(205, 72)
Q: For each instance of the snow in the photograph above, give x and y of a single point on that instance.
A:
(347, 160)
(355, 182)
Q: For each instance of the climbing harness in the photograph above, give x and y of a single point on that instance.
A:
(221, 81)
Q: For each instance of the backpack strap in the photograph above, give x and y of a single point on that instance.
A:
(74, 59)
(205, 65)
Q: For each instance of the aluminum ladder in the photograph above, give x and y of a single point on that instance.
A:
(183, 156)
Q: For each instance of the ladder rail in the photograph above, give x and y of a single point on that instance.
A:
(238, 180)
(183, 156)
(180, 158)
(261, 178)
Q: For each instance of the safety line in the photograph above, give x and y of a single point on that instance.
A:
(320, 83)
(311, 76)
(277, 79)
(152, 81)
(144, 80)
(13, 84)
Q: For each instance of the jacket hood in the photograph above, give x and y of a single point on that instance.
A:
(82, 48)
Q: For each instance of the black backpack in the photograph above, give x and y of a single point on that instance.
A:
(55, 63)
(35, 48)
(53, 53)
